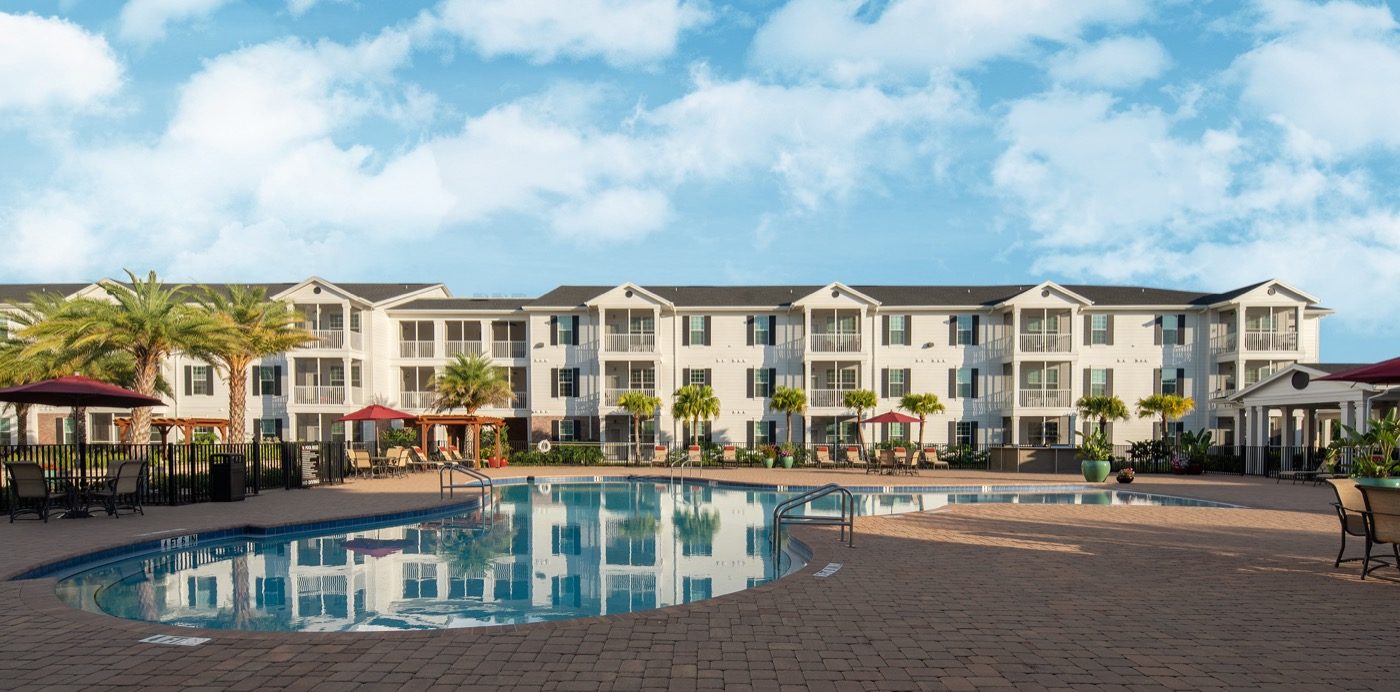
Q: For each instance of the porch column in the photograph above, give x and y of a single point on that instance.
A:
(1310, 427)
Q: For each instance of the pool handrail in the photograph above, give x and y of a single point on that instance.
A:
(480, 481)
(846, 521)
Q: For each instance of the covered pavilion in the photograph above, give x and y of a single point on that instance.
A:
(469, 423)
(186, 426)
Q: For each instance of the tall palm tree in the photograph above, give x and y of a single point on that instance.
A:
(1102, 408)
(253, 326)
(860, 400)
(787, 401)
(1169, 406)
(923, 406)
(641, 405)
(694, 403)
(147, 320)
(471, 382)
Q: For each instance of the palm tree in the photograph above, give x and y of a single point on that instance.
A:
(471, 382)
(861, 400)
(694, 403)
(147, 320)
(923, 406)
(1169, 406)
(787, 401)
(640, 405)
(254, 326)
(1102, 408)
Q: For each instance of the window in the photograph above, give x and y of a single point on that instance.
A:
(568, 431)
(420, 580)
(568, 386)
(964, 330)
(697, 330)
(760, 432)
(5, 430)
(629, 592)
(697, 589)
(1176, 428)
(200, 380)
(1171, 329)
(335, 376)
(1044, 432)
(202, 592)
(267, 427)
(762, 382)
(898, 387)
(1098, 382)
(706, 428)
(270, 592)
(899, 329)
(566, 329)
(1098, 330)
(267, 379)
(1169, 382)
(965, 383)
(565, 591)
(699, 376)
(965, 433)
(566, 540)
(897, 431)
(761, 334)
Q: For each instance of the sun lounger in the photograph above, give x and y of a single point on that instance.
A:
(823, 454)
(931, 458)
(855, 460)
(729, 456)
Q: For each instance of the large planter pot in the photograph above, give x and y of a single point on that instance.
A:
(1095, 471)
(768, 462)
(787, 461)
(1125, 479)
(1195, 469)
(1380, 482)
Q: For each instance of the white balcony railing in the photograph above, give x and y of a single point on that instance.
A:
(318, 395)
(1223, 342)
(357, 341)
(463, 348)
(630, 343)
(828, 397)
(507, 349)
(611, 396)
(1045, 398)
(1045, 343)
(836, 343)
(415, 349)
(328, 338)
(417, 399)
(1270, 341)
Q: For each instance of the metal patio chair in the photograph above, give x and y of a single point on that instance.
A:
(1382, 525)
(27, 486)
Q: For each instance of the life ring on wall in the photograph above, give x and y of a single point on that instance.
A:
(544, 446)
(543, 488)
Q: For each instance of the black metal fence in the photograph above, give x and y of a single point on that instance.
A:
(180, 473)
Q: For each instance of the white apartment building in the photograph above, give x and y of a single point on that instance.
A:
(1008, 361)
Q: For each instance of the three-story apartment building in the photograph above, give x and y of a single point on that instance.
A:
(1007, 361)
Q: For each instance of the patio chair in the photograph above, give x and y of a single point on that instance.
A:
(360, 462)
(855, 460)
(694, 456)
(887, 464)
(27, 486)
(1351, 513)
(931, 458)
(658, 455)
(1382, 524)
(908, 459)
(823, 454)
(121, 492)
(729, 456)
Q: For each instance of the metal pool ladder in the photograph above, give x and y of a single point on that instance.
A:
(683, 463)
(782, 514)
(481, 481)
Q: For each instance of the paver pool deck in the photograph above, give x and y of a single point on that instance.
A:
(970, 596)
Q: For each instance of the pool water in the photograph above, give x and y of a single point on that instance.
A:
(540, 552)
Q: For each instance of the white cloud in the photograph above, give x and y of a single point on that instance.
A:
(145, 21)
(921, 36)
(1329, 70)
(1118, 62)
(51, 238)
(300, 7)
(614, 214)
(622, 32)
(49, 62)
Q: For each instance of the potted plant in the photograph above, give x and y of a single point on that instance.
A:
(769, 453)
(1095, 451)
(1195, 446)
(786, 454)
(1374, 462)
(1125, 474)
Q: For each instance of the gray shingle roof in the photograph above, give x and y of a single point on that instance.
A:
(19, 293)
(1334, 368)
(466, 304)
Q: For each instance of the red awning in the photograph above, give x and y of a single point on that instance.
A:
(377, 412)
(1384, 372)
(892, 417)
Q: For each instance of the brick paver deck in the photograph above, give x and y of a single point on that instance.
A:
(973, 596)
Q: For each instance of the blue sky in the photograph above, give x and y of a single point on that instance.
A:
(507, 146)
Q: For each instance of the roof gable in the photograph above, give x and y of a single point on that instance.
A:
(1047, 292)
(628, 294)
(835, 293)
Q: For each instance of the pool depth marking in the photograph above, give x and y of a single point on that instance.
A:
(171, 640)
(830, 569)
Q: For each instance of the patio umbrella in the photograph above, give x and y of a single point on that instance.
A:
(892, 417)
(79, 393)
(376, 413)
(374, 547)
(1384, 372)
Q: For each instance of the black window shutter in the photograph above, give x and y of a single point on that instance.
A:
(952, 383)
(1088, 331)
(573, 341)
(772, 431)
(256, 379)
(189, 377)
(1157, 331)
(749, 430)
(748, 324)
(952, 432)
(1181, 330)
(1088, 380)
(707, 330)
(257, 429)
(685, 377)
(553, 330)
(209, 380)
(908, 330)
(953, 330)
(277, 428)
(685, 331)
(1180, 382)
(975, 392)
(277, 379)
(884, 383)
(908, 380)
(749, 382)
(554, 430)
(1156, 380)
(884, 330)
(554, 383)
(1108, 382)
(772, 381)
(1110, 330)
(976, 338)
(709, 381)
(772, 330)
(576, 386)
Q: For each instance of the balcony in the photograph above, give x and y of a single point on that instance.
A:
(630, 343)
(1045, 343)
(836, 343)
(1259, 340)
(328, 338)
(827, 398)
(1223, 343)
(463, 348)
(418, 400)
(318, 395)
(415, 349)
(508, 349)
(1045, 398)
(611, 396)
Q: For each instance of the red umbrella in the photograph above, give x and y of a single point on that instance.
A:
(374, 547)
(75, 390)
(1384, 372)
(377, 412)
(892, 417)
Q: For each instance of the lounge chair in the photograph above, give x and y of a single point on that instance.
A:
(1382, 524)
(27, 486)
(931, 458)
(1324, 470)
(823, 454)
(121, 492)
(694, 456)
(658, 455)
(1351, 513)
(887, 463)
(419, 461)
(729, 456)
(855, 460)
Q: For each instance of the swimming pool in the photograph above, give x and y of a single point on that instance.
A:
(541, 551)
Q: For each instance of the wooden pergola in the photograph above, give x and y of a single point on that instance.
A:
(469, 423)
(186, 426)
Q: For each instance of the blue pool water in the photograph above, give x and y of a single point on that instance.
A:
(541, 552)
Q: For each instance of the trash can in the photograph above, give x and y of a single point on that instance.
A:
(227, 477)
